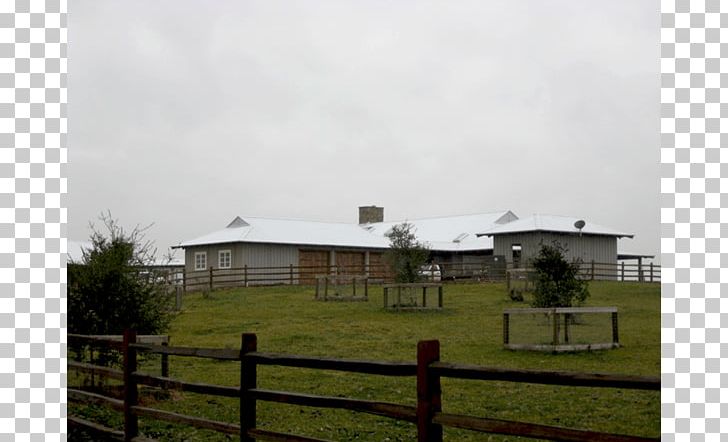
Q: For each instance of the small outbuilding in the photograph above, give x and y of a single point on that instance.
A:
(520, 241)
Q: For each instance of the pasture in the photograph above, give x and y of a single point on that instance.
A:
(288, 319)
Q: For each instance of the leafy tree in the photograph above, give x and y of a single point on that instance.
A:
(114, 287)
(556, 280)
(405, 255)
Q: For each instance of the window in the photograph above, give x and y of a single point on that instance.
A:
(200, 260)
(224, 259)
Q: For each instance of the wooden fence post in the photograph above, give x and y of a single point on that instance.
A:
(651, 272)
(210, 278)
(640, 274)
(428, 392)
(506, 326)
(592, 270)
(290, 267)
(165, 360)
(245, 274)
(248, 381)
(555, 340)
(615, 329)
(622, 271)
(131, 423)
(184, 280)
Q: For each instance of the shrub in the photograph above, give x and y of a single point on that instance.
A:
(556, 280)
(406, 255)
(114, 287)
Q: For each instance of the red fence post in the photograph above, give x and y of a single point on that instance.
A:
(131, 423)
(248, 381)
(428, 392)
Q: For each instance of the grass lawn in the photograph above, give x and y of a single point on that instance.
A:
(287, 319)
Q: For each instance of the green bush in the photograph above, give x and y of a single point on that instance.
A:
(406, 255)
(114, 286)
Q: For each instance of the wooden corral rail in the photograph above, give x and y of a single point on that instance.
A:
(336, 282)
(419, 287)
(245, 276)
(95, 342)
(620, 271)
(557, 342)
(427, 414)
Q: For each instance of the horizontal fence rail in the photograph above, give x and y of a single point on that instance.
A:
(214, 278)
(427, 414)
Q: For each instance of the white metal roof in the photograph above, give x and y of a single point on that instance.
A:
(289, 231)
(453, 233)
(552, 223)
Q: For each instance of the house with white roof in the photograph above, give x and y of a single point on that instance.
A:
(313, 247)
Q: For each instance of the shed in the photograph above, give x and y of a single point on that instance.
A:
(519, 241)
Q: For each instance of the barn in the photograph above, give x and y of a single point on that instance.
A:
(257, 244)
(519, 241)
(269, 246)
(261, 244)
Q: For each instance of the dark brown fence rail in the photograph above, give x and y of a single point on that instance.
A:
(427, 415)
(212, 278)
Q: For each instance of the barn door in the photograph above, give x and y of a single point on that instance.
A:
(350, 263)
(312, 263)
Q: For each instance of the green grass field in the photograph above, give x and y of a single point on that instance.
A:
(289, 320)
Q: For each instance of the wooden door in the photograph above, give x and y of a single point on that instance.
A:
(312, 263)
(378, 267)
(350, 263)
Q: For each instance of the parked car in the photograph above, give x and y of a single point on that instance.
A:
(430, 272)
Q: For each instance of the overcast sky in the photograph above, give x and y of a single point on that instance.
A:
(185, 114)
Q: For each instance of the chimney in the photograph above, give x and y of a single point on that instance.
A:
(371, 214)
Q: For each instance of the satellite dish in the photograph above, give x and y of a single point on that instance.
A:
(579, 225)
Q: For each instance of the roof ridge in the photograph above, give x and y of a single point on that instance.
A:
(297, 219)
(497, 212)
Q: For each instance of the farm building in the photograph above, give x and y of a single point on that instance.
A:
(269, 243)
(520, 240)
(313, 247)
(297, 250)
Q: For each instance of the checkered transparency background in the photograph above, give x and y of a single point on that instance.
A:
(33, 217)
(32, 220)
(692, 118)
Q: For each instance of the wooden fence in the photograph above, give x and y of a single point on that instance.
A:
(427, 414)
(245, 276)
